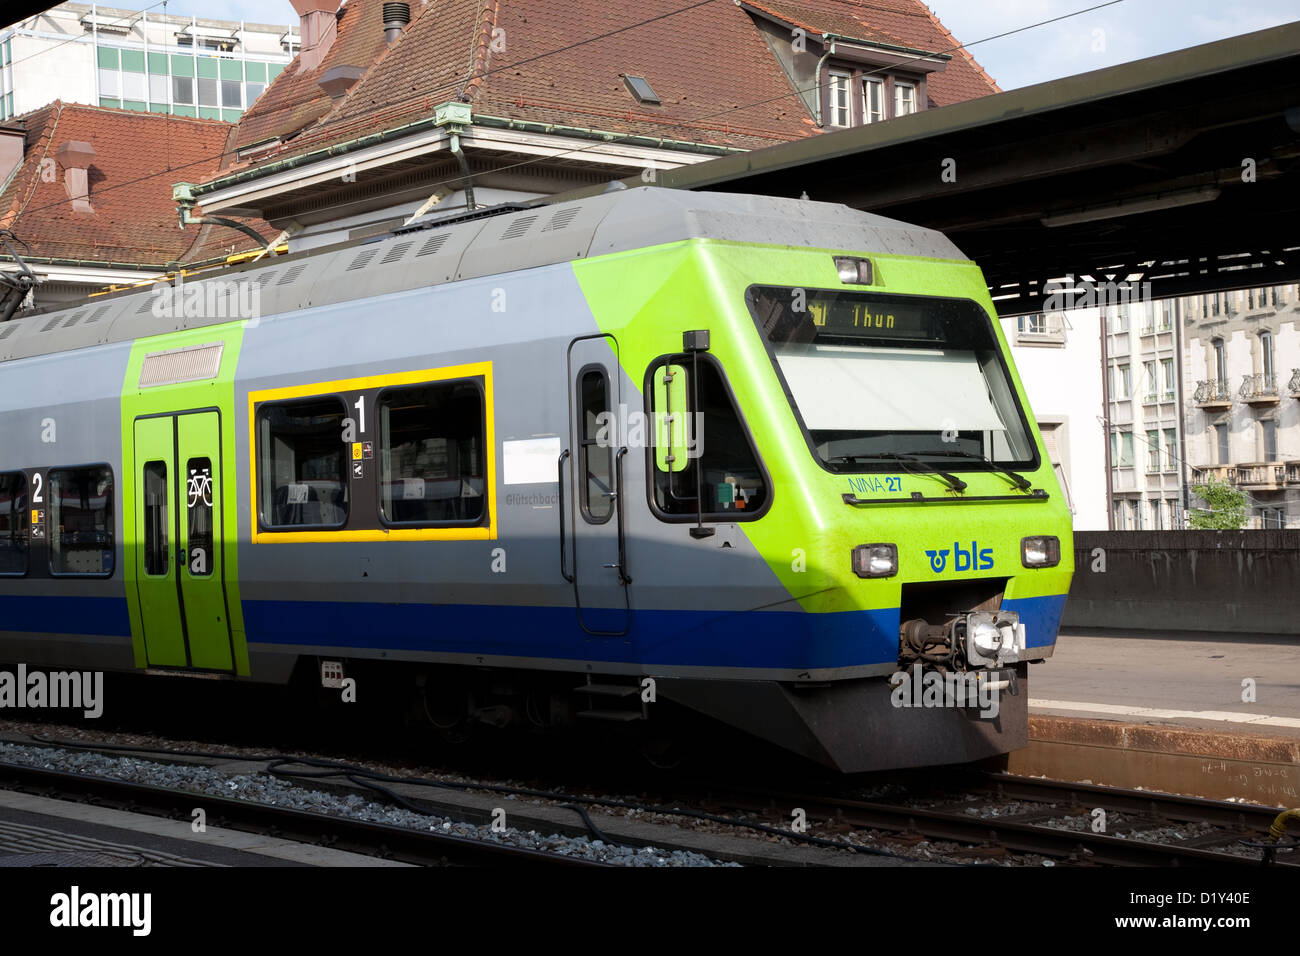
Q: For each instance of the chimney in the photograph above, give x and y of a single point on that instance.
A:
(75, 158)
(11, 150)
(319, 26)
(396, 17)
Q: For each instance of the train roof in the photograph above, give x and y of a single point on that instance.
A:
(435, 251)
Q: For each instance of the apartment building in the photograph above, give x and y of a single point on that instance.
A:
(1243, 417)
(1148, 480)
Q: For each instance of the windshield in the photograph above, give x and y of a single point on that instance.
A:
(876, 376)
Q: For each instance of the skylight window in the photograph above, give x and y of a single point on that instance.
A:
(640, 87)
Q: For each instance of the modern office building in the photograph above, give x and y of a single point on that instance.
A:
(140, 60)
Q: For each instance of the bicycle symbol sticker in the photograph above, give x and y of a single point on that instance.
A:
(200, 487)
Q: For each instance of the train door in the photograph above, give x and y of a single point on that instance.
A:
(180, 561)
(593, 490)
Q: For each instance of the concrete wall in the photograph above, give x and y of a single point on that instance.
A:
(1238, 582)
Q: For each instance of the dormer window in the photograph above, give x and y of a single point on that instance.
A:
(855, 95)
(856, 79)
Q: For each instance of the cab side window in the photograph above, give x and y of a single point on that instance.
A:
(704, 460)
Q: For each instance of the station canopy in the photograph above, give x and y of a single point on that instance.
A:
(1182, 170)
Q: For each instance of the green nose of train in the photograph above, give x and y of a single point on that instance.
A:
(858, 420)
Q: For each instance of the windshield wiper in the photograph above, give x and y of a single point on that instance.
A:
(953, 482)
(1019, 480)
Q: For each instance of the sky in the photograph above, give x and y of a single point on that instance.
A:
(1117, 33)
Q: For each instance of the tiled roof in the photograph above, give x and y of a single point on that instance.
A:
(294, 100)
(138, 156)
(907, 23)
(841, 19)
(563, 63)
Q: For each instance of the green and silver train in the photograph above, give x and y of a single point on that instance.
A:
(765, 460)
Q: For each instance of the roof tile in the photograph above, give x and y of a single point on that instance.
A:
(562, 63)
(138, 156)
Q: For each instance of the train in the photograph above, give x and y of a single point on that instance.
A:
(763, 461)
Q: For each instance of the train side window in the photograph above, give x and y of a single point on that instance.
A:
(14, 523)
(720, 457)
(596, 463)
(302, 464)
(432, 448)
(155, 518)
(81, 520)
(198, 506)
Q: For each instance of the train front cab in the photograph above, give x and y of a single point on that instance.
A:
(901, 495)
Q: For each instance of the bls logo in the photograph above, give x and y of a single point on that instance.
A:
(963, 559)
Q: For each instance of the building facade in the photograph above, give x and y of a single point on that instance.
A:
(1148, 483)
(1058, 356)
(140, 60)
(1243, 413)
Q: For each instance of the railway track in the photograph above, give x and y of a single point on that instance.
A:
(1134, 842)
(989, 817)
(403, 844)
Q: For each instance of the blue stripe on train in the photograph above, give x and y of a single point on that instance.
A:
(64, 615)
(700, 638)
(791, 640)
(1040, 615)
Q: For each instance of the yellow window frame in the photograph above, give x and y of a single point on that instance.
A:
(366, 383)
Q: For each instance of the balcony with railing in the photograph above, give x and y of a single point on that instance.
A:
(1224, 473)
(1262, 476)
(1293, 386)
(1259, 389)
(1211, 394)
(1256, 476)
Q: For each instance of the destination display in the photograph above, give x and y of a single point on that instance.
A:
(802, 315)
(835, 314)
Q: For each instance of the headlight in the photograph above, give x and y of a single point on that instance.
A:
(875, 560)
(853, 271)
(1040, 551)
